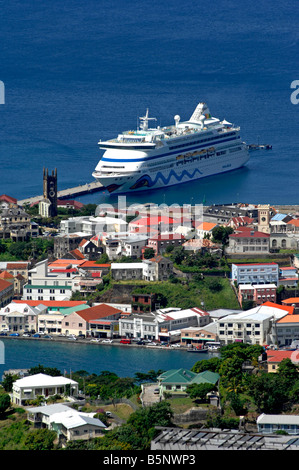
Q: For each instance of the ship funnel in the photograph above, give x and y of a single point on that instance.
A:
(177, 120)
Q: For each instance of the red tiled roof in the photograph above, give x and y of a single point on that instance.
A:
(168, 236)
(6, 198)
(77, 253)
(4, 284)
(294, 222)
(249, 234)
(6, 275)
(17, 265)
(97, 312)
(278, 356)
(290, 300)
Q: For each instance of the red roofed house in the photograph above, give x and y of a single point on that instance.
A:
(248, 242)
(6, 292)
(100, 321)
(274, 358)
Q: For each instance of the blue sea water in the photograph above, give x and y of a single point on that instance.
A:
(79, 71)
(94, 358)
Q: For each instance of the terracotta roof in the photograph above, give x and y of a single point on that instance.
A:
(278, 356)
(249, 234)
(294, 318)
(97, 312)
(6, 275)
(6, 198)
(93, 264)
(77, 253)
(205, 226)
(4, 284)
(168, 236)
(294, 222)
(289, 310)
(290, 300)
(17, 265)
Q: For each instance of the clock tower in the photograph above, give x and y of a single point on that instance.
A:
(264, 218)
(50, 193)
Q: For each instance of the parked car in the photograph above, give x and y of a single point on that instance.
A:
(107, 340)
(140, 342)
(95, 340)
(125, 341)
(14, 334)
(156, 391)
(47, 336)
(36, 335)
(81, 336)
(3, 333)
(26, 334)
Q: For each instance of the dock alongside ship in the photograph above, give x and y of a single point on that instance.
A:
(76, 191)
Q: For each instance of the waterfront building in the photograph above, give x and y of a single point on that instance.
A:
(163, 325)
(199, 336)
(100, 321)
(19, 318)
(255, 273)
(33, 386)
(254, 326)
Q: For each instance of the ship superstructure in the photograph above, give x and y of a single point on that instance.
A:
(157, 157)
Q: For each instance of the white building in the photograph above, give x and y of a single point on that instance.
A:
(51, 284)
(69, 423)
(92, 225)
(254, 326)
(33, 386)
(255, 273)
(19, 318)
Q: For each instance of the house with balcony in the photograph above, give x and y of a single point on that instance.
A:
(271, 424)
(68, 423)
(33, 386)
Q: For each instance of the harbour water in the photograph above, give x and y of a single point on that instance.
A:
(82, 71)
(68, 357)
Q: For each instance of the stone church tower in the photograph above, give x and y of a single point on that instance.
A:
(264, 218)
(48, 205)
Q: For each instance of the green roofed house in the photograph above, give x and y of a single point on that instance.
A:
(177, 380)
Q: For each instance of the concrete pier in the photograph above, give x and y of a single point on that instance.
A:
(67, 193)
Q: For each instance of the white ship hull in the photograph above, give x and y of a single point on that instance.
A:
(176, 157)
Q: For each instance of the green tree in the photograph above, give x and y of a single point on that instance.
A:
(40, 439)
(221, 234)
(199, 390)
(149, 253)
(4, 403)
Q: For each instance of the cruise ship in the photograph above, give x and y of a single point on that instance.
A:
(156, 157)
